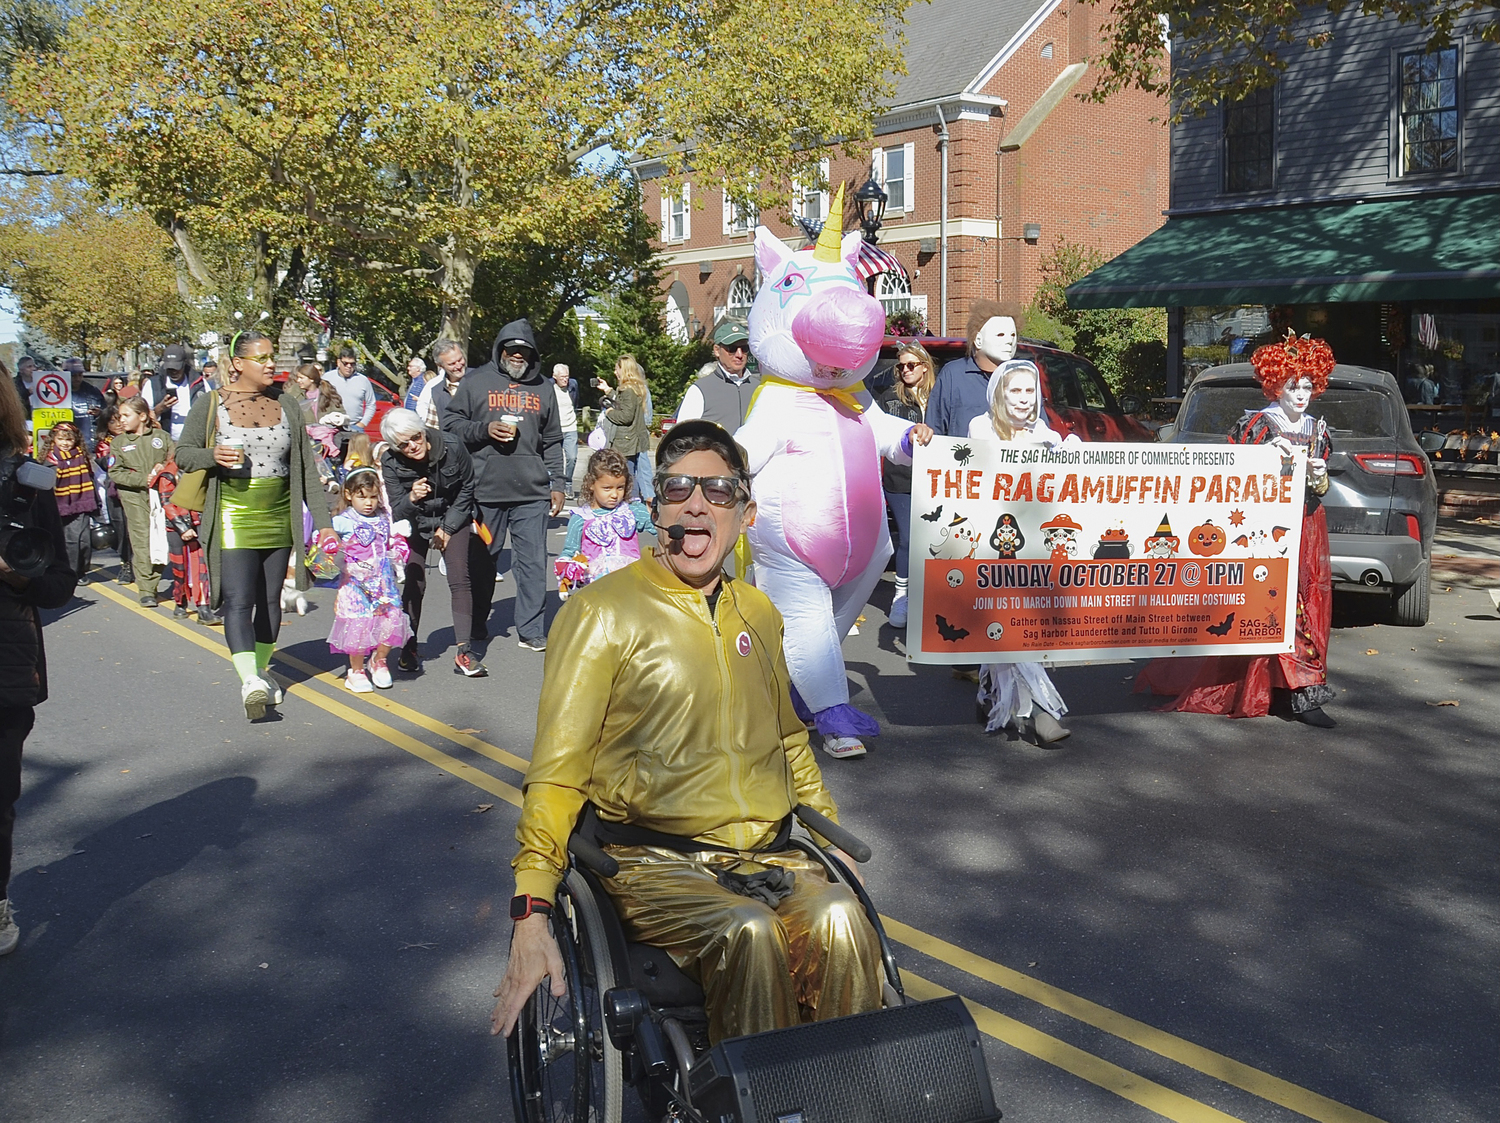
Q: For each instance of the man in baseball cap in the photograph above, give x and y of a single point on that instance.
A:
(171, 389)
(724, 388)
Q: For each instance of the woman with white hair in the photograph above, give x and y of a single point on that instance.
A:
(429, 478)
(1018, 694)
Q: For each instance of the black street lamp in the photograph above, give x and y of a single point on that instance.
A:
(871, 201)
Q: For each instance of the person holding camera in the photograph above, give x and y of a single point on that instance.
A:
(33, 576)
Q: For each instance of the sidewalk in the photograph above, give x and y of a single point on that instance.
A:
(1466, 552)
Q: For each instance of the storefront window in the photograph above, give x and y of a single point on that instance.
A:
(1454, 361)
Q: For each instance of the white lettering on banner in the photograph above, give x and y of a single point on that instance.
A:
(1022, 553)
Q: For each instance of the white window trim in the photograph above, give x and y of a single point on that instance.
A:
(878, 170)
(799, 194)
(752, 218)
(1397, 146)
(667, 199)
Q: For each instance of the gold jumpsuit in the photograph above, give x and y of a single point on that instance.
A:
(667, 717)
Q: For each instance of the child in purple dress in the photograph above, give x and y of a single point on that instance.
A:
(605, 535)
(367, 616)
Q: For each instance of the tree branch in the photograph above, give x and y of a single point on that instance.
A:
(31, 171)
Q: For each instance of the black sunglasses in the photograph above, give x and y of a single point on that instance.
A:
(735, 346)
(721, 491)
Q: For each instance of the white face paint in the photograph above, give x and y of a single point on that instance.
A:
(1295, 397)
(1020, 398)
(996, 341)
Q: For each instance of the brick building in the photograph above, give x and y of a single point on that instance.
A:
(981, 75)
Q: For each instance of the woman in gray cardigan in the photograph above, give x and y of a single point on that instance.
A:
(262, 470)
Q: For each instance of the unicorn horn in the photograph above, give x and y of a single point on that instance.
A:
(833, 231)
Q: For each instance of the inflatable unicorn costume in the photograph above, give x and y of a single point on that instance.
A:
(814, 439)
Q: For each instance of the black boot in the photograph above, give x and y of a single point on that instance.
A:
(1316, 717)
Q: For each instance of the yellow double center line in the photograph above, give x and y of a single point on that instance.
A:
(1054, 1051)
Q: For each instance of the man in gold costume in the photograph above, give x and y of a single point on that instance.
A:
(665, 705)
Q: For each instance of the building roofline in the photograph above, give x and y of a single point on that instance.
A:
(1004, 55)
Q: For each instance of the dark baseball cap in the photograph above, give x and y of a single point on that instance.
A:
(729, 332)
(724, 444)
(175, 357)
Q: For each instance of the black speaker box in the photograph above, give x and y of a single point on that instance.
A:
(905, 1064)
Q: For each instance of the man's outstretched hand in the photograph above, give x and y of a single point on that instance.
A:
(534, 956)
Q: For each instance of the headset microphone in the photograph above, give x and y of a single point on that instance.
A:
(676, 532)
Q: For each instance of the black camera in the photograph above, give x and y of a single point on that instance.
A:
(26, 549)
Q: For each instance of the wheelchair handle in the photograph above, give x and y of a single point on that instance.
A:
(592, 856)
(821, 824)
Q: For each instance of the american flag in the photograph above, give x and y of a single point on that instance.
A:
(1427, 334)
(873, 259)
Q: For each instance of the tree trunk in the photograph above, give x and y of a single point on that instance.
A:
(457, 279)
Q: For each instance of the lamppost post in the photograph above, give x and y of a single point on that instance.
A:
(871, 201)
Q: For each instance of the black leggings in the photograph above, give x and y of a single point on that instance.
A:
(459, 590)
(250, 586)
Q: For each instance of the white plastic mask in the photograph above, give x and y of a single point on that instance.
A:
(996, 341)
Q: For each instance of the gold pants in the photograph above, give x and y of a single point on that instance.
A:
(812, 957)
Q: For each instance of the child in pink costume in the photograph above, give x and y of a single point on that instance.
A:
(367, 616)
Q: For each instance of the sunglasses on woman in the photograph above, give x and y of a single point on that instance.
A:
(721, 491)
(909, 366)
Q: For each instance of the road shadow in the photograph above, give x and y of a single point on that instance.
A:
(66, 899)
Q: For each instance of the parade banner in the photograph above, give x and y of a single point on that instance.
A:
(1021, 553)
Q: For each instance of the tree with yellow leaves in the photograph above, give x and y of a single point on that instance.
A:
(378, 132)
(99, 279)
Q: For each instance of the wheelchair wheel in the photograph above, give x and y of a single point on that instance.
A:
(563, 1068)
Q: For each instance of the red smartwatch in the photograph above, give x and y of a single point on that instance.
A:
(523, 905)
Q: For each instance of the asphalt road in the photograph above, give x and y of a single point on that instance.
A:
(1171, 916)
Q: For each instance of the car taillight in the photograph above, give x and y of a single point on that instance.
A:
(1413, 527)
(1391, 463)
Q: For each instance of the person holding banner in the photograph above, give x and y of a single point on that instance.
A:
(1291, 373)
(906, 399)
(1019, 694)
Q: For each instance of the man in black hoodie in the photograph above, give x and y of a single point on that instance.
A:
(506, 416)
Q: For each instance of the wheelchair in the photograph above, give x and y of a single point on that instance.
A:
(631, 1017)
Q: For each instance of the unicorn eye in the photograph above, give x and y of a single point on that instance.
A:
(790, 281)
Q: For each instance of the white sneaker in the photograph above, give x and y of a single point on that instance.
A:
(255, 693)
(359, 682)
(380, 675)
(10, 934)
(844, 748)
(277, 693)
(898, 612)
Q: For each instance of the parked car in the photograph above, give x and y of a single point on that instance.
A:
(1382, 499)
(1077, 398)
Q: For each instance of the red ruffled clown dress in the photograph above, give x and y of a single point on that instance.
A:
(1241, 685)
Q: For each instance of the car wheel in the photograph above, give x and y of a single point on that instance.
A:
(1411, 606)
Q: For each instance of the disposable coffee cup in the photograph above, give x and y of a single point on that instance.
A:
(238, 448)
(512, 420)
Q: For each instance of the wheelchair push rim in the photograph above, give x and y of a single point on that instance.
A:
(563, 1068)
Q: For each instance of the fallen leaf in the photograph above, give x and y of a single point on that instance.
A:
(1371, 651)
(1445, 702)
(470, 732)
(1032, 963)
(408, 947)
(124, 770)
(263, 966)
(482, 808)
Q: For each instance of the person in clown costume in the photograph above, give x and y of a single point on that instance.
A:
(814, 438)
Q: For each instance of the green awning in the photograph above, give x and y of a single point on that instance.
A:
(1431, 248)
